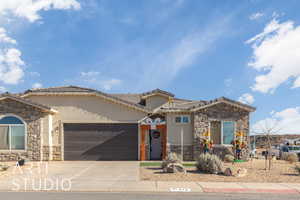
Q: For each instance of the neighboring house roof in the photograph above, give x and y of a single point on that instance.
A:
(155, 92)
(28, 102)
(69, 90)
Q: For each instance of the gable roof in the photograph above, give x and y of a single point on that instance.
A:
(193, 106)
(134, 100)
(155, 92)
(223, 100)
(28, 102)
(69, 90)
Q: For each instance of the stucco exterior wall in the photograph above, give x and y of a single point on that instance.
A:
(79, 109)
(174, 130)
(88, 109)
(153, 102)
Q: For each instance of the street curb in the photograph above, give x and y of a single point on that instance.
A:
(205, 190)
(246, 190)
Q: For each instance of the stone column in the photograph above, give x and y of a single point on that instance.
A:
(201, 126)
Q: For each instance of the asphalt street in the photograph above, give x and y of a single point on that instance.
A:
(140, 196)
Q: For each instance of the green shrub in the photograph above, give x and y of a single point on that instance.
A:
(209, 163)
(171, 158)
(229, 158)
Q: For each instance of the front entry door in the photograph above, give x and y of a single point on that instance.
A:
(155, 147)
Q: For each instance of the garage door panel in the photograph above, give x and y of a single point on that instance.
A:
(101, 141)
(82, 135)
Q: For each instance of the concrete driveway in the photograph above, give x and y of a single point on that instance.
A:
(96, 170)
(70, 175)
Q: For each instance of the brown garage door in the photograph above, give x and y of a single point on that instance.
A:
(100, 141)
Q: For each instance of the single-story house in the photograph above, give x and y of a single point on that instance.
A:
(75, 123)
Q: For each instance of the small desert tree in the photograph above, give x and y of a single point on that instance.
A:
(266, 128)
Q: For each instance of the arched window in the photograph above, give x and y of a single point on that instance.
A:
(12, 133)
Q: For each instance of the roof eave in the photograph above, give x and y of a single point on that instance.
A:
(41, 107)
(244, 107)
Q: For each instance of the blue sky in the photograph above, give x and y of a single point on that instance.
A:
(245, 50)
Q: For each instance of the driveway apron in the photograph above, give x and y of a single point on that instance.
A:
(66, 175)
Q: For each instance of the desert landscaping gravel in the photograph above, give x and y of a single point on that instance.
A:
(282, 171)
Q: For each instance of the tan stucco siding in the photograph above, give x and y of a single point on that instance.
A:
(155, 101)
(174, 131)
(88, 109)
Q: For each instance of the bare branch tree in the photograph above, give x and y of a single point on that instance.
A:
(267, 128)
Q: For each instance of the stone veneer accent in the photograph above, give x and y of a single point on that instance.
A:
(32, 116)
(218, 112)
(56, 153)
(57, 156)
(46, 151)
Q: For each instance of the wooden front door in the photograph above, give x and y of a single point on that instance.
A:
(144, 133)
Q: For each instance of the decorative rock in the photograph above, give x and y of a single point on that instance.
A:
(4, 167)
(228, 172)
(241, 172)
(174, 168)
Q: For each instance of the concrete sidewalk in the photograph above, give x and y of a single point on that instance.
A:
(207, 187)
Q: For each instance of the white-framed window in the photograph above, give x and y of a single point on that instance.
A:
(12, 133)
(228, 130)
(182, 119)
(222, 132)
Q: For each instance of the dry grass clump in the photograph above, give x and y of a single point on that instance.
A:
(209, 163)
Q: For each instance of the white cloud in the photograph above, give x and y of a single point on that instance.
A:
(246, 98)
(89, 74)
(2, 89)
(11, 66)
(228, 82)
(164, 64)
(37, 85)
(256, 16)
(109, 84)
(276, 56)
(4, 38)
(92, 78)
(35, 74)
(286, 122)
(29, 8)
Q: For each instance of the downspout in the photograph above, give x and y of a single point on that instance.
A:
(50, 137)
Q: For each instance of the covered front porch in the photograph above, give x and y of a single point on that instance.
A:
(153, 138)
